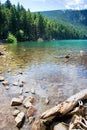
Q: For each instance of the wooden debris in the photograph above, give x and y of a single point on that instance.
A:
(66, 108)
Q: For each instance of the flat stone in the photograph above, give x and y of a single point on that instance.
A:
(16, 101)
(19, 119)
(31, 111)
(61, 126)
(2, 78)
(16, 112)
(27, 102)
(21, 91)
(15, 83)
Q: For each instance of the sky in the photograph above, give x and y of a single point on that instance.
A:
(43, 5)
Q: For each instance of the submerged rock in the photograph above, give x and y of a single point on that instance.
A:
(28, 101)
(33, 91)
(16, 101)
(31, 111)
(5, 83)
(16, 112)
(19, 119)
(31, 119)
(2, 78)
(15, 83)
(47, 101)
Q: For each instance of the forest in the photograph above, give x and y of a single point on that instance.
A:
(23, 25)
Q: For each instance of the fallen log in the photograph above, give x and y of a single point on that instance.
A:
(65, 107)
(61, 109)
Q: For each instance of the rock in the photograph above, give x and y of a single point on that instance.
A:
(82, 53)
(27, 103)
(61, 126)
(31, 119)
(2, 78)
(16, 101)
(36, 125)
(7, 87)
(5, 83)
(21, 84)
(1, 53)
(31, 111)
(21, 91)
(19, 119)
(16, 112)
(15, 83)
(47, 101)
(67, 56)
(33, 91)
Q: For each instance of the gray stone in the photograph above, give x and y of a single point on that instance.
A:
(19, 119)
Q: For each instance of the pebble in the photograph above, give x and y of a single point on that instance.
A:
(5, 83)
(16, 112)
(33, 91)
(2, 78)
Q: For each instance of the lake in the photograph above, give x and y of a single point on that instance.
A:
(43, 67)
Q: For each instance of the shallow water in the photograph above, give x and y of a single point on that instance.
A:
(44, 68)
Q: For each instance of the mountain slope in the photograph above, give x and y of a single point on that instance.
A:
(77, 18)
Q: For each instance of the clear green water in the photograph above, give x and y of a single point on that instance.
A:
(45, 62)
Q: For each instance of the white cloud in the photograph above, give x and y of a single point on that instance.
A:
(85, 6)
(74, 4)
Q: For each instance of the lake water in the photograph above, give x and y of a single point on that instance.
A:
(44, 69)
(45, 64)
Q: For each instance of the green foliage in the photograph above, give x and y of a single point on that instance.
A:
(20, 35)
(40, 39)
(25, 25)
(11, 38)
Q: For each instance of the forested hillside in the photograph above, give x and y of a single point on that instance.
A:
(26, 26)
(77, 18)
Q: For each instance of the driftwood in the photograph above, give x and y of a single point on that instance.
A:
(65, 108)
